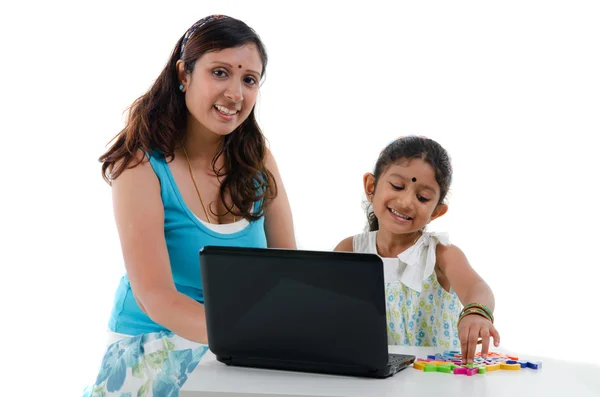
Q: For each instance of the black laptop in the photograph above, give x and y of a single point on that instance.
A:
(298, 310)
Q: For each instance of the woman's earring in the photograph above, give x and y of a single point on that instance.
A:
(181, 87)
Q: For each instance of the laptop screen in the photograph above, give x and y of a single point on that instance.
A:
(295, 305)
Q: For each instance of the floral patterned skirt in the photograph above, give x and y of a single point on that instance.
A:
(153, 364)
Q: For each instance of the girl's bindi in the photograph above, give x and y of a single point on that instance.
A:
(414, 179)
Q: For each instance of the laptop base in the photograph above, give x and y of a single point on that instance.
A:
(397, 363)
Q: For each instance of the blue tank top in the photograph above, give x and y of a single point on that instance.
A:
(185, 236)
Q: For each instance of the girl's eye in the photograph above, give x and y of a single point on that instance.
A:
(423, 199)
(219, 73)
(396, 187)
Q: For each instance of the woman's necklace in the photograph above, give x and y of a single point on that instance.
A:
(196, 185)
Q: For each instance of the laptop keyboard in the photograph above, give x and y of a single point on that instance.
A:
(395, 359)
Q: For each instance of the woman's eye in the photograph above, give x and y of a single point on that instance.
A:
(250, 80)
(220, 73)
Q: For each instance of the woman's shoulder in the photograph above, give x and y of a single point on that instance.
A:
(137, 158)
(139, 171)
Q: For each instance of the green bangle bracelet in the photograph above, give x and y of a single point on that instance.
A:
(479, 314)
(473, 310)
(480, 305)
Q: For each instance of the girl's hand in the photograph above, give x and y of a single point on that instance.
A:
(471, 328)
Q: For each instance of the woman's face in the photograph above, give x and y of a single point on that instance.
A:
(221, 91)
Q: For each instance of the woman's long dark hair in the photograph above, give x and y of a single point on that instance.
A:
(157, 121)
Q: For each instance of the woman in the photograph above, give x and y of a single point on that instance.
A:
(191, 169)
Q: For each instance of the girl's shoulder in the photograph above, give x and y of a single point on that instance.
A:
(345, 245)
(418, 261)
(364, 243)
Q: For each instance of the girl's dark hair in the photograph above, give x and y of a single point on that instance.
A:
(157, 121)
(413, 147)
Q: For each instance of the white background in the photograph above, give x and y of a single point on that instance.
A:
(511, 89)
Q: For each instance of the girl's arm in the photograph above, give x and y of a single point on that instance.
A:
(279, 226)
(139, 216)
(470, 288)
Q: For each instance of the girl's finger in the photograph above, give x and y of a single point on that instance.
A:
(494, 333)
(472, 343)
(485, 342)
(464, 339)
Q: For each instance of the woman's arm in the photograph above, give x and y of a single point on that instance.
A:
(279, 226)
(139, 216)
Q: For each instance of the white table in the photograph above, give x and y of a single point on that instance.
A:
(556, 378)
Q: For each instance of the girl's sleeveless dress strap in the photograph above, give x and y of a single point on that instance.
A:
(413, 266)
(417, 263)
(365, 243)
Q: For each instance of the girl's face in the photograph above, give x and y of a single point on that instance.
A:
(406, 196)
(221, 91)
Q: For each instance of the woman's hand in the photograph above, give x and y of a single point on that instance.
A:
(470, 329)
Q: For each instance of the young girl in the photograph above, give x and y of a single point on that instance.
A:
(428, 280)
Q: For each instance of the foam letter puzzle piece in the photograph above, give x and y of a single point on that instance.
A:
(492, 367)
(510, 367)
(419, 365)
(534, 365)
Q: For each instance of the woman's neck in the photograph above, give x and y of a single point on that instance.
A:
(201, 144)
